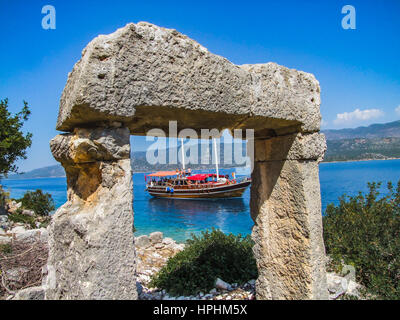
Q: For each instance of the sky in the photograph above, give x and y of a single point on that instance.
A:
(358, 69)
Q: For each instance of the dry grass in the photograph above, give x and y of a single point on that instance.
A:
(27, 257)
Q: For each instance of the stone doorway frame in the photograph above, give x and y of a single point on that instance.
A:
(141, 77)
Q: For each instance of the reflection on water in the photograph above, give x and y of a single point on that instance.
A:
(190, 207)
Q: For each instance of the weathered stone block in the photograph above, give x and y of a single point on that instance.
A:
(91, 145)
(289, 249)
(291, 147)
(143, 71)
(91, 243)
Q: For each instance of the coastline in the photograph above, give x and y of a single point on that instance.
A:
(133, 172)
(360, 160)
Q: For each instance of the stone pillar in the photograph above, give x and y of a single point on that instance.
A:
(91, 243)
(286, 208)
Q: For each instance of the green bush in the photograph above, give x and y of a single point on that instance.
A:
(18, 217)
(41, 203)
(208, 257)
(3, 197)
(364, 231)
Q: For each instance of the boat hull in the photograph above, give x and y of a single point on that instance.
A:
(225, 191)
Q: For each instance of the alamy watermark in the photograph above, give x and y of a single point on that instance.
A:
(234, 152)
(349, 20)
(49, 20)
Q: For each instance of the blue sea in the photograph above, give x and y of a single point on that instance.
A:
(178, 219)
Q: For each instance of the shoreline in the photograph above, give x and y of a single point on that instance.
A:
(360, 160)
(133, 172)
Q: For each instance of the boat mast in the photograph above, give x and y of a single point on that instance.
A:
(216, 157)
(183, 155)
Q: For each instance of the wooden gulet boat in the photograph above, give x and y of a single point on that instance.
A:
(182, 185)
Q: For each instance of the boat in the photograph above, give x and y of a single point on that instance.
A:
(182, 184)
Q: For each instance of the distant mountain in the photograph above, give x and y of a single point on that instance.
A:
(140, 163)
(45, 172)
(362, 149)
(385, 130)
(377, 141)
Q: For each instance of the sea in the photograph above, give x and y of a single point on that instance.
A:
(179, 219)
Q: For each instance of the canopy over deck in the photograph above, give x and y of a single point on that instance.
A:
(163, 174)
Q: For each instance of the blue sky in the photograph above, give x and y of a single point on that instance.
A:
(358, 70)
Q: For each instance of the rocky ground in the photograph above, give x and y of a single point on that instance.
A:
(152, 251)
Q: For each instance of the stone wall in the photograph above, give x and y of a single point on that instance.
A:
(92, 253)
(286, 209)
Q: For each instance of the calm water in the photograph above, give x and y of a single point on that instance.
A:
(179, 218)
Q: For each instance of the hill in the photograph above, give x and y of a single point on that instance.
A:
(362, 149)
(55, 171)
(384, 130)
(377, 141)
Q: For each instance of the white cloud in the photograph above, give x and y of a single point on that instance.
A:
(357, 116)
(324, 123)
(397, 110)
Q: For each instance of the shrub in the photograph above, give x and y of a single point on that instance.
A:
(364, 231)
(208, 257)
(3, 198)
(18, 217)
(41, 203)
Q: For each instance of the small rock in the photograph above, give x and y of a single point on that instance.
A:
(213, 291)
(348, 272)
(5, 240)
(156, 237)
(28, 235)
(18, 229)
(159, 246)
(180, 246)
(26, 212)
(222, 285)
(33, 293)
(142, 242)
(353, 289)
(168, 241)
(252, 282)
(139, 287)
(337, 285)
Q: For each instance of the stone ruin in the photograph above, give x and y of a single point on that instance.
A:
(141, 77)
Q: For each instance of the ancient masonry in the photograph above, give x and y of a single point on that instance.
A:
(141, 77)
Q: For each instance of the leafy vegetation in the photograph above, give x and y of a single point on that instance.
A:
(18, 217)
(13, 142)
(205, 258)
(41, 203)
(3, 198)
(364, 231)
